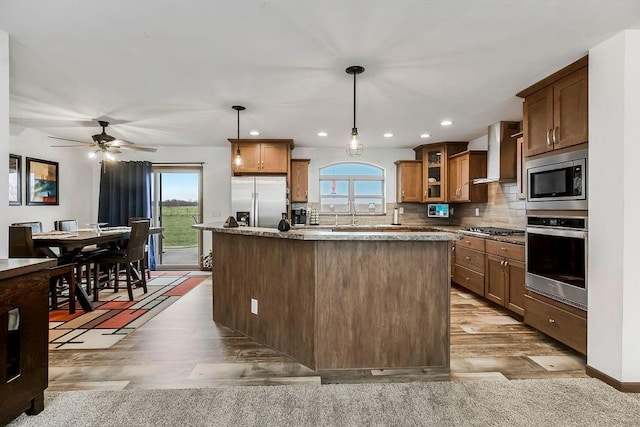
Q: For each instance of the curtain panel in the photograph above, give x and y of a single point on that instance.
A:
(125, 192)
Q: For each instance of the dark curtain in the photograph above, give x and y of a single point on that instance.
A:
(125, 192)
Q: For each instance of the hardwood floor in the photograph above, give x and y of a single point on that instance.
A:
(182, 348)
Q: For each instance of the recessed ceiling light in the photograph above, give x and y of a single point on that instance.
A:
(388, 135)
(322, 134)
(425, 135)
(446, 123)
(254, 133)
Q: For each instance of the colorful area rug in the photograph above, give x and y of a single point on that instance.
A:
(115, 316)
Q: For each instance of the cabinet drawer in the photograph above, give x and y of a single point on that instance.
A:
(507, 250)
(557, 323)
(473, 260)
(471, 243)
(469, 279)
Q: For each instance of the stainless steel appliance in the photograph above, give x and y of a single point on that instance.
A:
(558, 182)
(259, 200)
(556, 258)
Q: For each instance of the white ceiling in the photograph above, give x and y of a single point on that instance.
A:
(167, 72)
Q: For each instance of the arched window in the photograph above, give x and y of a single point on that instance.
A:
(345, 187)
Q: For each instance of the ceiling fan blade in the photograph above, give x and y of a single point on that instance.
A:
(113, 150)
(119, 142)
(72, 140)
(139, 148)
(77, 146)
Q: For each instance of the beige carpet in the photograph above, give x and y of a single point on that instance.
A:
(559, 402)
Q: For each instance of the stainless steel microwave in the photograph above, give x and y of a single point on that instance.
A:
(558, 182)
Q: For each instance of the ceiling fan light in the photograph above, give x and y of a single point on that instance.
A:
(93, 155)
(110, 157)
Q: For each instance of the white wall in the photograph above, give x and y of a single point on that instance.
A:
(614, 271)
(4, 138)
(77, 181)
(481, 143)
(321, 157)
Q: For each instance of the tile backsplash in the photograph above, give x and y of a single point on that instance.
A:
(502, 209)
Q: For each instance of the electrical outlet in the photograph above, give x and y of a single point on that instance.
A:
(254, 306)
(401, 210)
(477, 211)
(451, 211)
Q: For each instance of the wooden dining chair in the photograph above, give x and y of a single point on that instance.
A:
(36, 226)
(145, 262)
(21, 246)
(66, 225)
(86, 259)
(129, 257)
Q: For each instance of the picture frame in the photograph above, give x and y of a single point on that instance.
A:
(42, 182)
(15, 180)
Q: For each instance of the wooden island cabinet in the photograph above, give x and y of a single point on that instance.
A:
(24, 329)
(337, 299)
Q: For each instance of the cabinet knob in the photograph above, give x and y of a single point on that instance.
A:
(554, 135)
(552, 321)
(466, 278)
(549, 137)
(467, 258)
(453, 248)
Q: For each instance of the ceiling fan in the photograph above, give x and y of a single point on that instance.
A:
(105, 144)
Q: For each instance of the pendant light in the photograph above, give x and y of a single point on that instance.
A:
(237, 161)
(354, 147)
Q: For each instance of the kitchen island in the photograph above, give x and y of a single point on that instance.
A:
(337, 299)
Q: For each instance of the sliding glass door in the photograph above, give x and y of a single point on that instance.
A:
(177, 205)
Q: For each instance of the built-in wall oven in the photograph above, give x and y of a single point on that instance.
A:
(556, 258)
(558, 182)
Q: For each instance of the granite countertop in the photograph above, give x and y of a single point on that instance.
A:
(329, 234)
(348, 232)
(18, 266)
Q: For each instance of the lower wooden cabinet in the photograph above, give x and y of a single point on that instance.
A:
(565, 323)
(505, 275)
(469, 264)
(492, 269)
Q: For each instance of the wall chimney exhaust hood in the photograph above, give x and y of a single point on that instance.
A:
(502, 153)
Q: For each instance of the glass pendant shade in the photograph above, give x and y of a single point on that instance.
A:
(237, 161)
(354, 147)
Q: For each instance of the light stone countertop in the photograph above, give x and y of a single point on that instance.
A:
(328, 234)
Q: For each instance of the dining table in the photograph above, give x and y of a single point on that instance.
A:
(70, 244)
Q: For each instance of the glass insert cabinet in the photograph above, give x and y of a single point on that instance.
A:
(434, 173)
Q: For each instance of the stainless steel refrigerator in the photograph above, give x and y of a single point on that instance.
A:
(259, 200)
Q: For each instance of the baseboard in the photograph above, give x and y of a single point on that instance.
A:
(618, 385)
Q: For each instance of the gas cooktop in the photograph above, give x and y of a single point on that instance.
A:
(494, 231)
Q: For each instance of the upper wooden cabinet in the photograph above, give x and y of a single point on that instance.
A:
(300, 180)
(408, 181)
(556, 110)
(435, 182)
(463, 169)
(262, 156)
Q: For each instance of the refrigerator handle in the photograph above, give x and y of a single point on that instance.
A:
(256, 204)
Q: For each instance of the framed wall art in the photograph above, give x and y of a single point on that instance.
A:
(15, 180)
(42, 182)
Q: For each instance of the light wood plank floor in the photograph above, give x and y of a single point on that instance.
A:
(183, 348)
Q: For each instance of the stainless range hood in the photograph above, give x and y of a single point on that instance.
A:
(501, 157)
